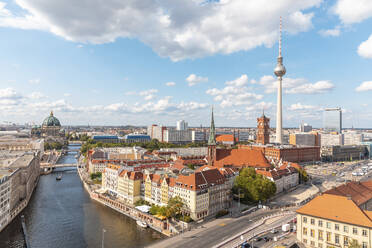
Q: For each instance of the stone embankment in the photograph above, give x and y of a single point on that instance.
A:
(152, 222)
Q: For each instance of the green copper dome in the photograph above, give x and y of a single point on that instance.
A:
(51, 121)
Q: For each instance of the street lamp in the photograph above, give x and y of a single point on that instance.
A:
(103, 237)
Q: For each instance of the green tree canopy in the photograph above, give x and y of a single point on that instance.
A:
(253, 187)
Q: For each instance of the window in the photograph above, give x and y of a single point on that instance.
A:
(364, 233)
(312, 233)
(337, 227)
(305, 220)
(312, 221)
(304, 231)
(355, 230)
(320, 235)
(312, 243)
(337, 239)
(320, 223)
(346, 241)
(364, 245)
(304, 241)
(328, 225)
(320, 245)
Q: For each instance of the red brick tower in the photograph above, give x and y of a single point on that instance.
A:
(263, 130)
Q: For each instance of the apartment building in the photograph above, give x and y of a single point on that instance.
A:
(204, 193)
(331, 220)
(129, 186)
(5, 187)
(110, 177)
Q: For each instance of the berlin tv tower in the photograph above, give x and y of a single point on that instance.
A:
(279, 72)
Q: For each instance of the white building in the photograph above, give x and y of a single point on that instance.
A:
(177, 136)
(110, 178)
(5, 187)
(328, 139)
(198, 136)
(182, 125)
(353, 138)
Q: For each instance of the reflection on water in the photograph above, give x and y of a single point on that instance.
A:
(61, 214)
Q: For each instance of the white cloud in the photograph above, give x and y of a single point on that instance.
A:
(9, 93)
(242, 80)
(234, 94)
(148, 94)
(353, 11)
(295, 85)
(260, 106)
(331, 32)
(365, 48)
(3, 10)
(365, 86)
(36, 95)
(176, 29)
(299, 106)
(34, 81)
(193, 79)
(169, 84)
(67, 94)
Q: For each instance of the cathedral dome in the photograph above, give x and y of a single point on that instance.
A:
(51, 121)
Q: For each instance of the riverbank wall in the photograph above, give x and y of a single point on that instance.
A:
(154, 223)
(14, 213)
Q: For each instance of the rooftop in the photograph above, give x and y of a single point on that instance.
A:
(337, 208)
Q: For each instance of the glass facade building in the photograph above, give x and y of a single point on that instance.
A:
(332, 120)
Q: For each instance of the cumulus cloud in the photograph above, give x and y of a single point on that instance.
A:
(235, 93)
(365, 86)
(9, 93)
(176, 29)
(193, 79)
(36, 95)
(169, 84)
(295, 85)
(260, 106)
(353, 11)
(299, 106)
(148, 94)
(365, 48)
(330, 32)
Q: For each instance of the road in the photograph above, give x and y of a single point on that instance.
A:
(268, 225)
(215, 232)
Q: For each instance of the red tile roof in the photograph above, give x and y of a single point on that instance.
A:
(360, 192)
(200, 180)
(225, 138)
(241, 158)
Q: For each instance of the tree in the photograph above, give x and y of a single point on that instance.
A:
(174, 206)
(303, 175)
(253, 187)
(354, 244)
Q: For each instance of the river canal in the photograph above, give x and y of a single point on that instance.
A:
(61, 215)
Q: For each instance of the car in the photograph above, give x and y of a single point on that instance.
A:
(274, 231)
(245, 245)
(267, 239)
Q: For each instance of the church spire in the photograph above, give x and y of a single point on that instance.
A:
(212, 132)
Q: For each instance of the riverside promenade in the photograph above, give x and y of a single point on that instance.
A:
(154, 223)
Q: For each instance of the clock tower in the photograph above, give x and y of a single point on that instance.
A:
(263, 130)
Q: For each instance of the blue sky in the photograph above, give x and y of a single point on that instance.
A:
(143, 62)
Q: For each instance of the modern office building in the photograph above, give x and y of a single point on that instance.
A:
(182, 125)
(304, 128)
(332, 120)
